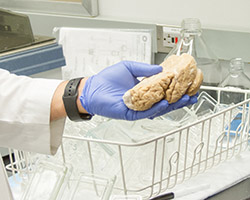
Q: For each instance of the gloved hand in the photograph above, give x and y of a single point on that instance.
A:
(103, 92)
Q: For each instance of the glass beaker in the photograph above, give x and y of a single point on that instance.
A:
(192, 42)
(236, 79)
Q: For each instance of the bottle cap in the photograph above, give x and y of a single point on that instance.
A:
(191, 25)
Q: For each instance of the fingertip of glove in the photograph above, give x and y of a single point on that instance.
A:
(185, 97)
(163, 104)
(193, 99)
(197, 94)
(152, 69)
(157, 68)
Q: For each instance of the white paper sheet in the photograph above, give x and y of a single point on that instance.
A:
(88, 51)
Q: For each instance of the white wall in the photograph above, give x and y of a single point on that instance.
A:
(231, 18)
(214, 14)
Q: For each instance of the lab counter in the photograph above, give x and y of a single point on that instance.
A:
(239, 191)
(229, 180)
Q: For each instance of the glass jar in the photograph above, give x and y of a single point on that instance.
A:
(192, 42)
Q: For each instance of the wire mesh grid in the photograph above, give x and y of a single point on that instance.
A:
(149, 167)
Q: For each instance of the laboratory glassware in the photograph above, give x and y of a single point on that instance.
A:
(238, 80)
(235, 79)
(48, 179)
(88, 186)
(192, 42)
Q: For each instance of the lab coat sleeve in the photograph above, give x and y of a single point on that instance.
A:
(25, 114)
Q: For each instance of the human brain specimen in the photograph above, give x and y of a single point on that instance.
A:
(179, 76)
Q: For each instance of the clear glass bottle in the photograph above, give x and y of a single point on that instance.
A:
(235, 79)
(192, 42)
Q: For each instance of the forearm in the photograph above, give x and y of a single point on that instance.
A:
(57, 109)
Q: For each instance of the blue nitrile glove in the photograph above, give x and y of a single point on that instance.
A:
(103, 92)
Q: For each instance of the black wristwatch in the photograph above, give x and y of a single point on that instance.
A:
(70, 98)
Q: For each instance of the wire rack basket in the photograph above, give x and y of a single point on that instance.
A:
(166, 156)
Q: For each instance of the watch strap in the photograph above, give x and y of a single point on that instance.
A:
(70, 101)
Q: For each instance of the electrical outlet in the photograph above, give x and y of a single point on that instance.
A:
(167, 37)
(171, 36)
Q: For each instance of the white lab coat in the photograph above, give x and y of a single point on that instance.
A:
(24, 118)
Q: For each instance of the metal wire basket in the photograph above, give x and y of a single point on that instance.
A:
(160, 161)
